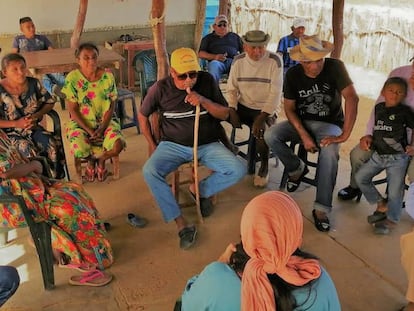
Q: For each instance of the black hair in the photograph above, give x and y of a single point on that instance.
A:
(398, 81)
(285, 301)
(11, 57)
(25, 20)
(86, 46)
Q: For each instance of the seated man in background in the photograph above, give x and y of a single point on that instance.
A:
(175, 98)
(220, 47)
(313, 94)
(30, 41)
(289, 41)
(254, 89)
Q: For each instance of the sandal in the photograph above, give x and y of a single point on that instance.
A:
(136, 221)
(90, 173)
(322, 225)
(376, 217)
(82, 267)
(293, 185)
(101, 173)
(93, 278)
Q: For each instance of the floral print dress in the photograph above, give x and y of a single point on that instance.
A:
(36, 141)
(77, 230)
(94, 100)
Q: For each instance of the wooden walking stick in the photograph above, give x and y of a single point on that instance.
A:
(195, 160)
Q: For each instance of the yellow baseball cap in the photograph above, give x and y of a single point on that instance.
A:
(184, 60)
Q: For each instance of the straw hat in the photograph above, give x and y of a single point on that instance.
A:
(310, 48)
(255, 38)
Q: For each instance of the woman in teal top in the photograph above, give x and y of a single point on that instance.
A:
(268, 271)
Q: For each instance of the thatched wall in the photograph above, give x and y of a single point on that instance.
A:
(375, 37)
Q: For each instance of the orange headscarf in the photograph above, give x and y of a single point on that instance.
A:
(271, 230)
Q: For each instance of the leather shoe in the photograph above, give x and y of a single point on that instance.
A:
(349, 193)
(293, 185)
(322, 225)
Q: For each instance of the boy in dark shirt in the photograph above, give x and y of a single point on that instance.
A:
(391, 152)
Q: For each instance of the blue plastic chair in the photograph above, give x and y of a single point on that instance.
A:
(145, 64)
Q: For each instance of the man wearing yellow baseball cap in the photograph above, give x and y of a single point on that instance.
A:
(176, 98)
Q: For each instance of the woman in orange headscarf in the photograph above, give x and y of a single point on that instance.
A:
(275, 273)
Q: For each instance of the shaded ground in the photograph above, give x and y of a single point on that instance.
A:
(150, 270)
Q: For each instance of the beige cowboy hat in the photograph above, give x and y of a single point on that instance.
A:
(310, 48)
(255, 38)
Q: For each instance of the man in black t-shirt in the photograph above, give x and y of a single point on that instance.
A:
(313, 92)
(175, 99)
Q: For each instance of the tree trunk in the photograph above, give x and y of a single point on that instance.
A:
(80, 22)
(200, 19)
(158, 32)
(338, 27)
(224, 8)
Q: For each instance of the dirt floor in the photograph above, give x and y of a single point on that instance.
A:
(150, 271)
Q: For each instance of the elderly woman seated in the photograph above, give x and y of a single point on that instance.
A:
(78, 235)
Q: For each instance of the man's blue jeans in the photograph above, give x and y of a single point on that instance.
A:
(9, 282)
(217, 68)
(276, 138)
(168, 156)
(51, 79)
(395, 166)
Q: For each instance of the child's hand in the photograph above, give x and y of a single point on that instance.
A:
(365, 142)
(225, 257)
(409, 150)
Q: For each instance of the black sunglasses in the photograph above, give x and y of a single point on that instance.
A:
(191, 75)
(222, 25)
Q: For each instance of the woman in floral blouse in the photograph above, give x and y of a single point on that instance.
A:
(91, 97)
(78, 235)
(23, 103)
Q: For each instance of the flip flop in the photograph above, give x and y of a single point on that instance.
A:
(136, 221)
(89, 174)
(83, 267)
(94, 278)
(101, 173)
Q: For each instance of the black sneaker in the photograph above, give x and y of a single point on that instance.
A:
(349, 193)
(187, 237)
(206, 207)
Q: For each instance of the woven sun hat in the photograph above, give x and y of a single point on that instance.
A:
(255, 38)
(310, 48)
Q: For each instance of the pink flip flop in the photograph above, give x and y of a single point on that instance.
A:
(94, 278)
(83, 267)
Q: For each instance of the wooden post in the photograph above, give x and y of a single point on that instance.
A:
(158, 30)
(338, 27)
(200, 19)
(80, 22)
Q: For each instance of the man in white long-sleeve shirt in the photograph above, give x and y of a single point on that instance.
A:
(254, 89)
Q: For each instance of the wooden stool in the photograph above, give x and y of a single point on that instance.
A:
(96, 150)
(184, 175)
